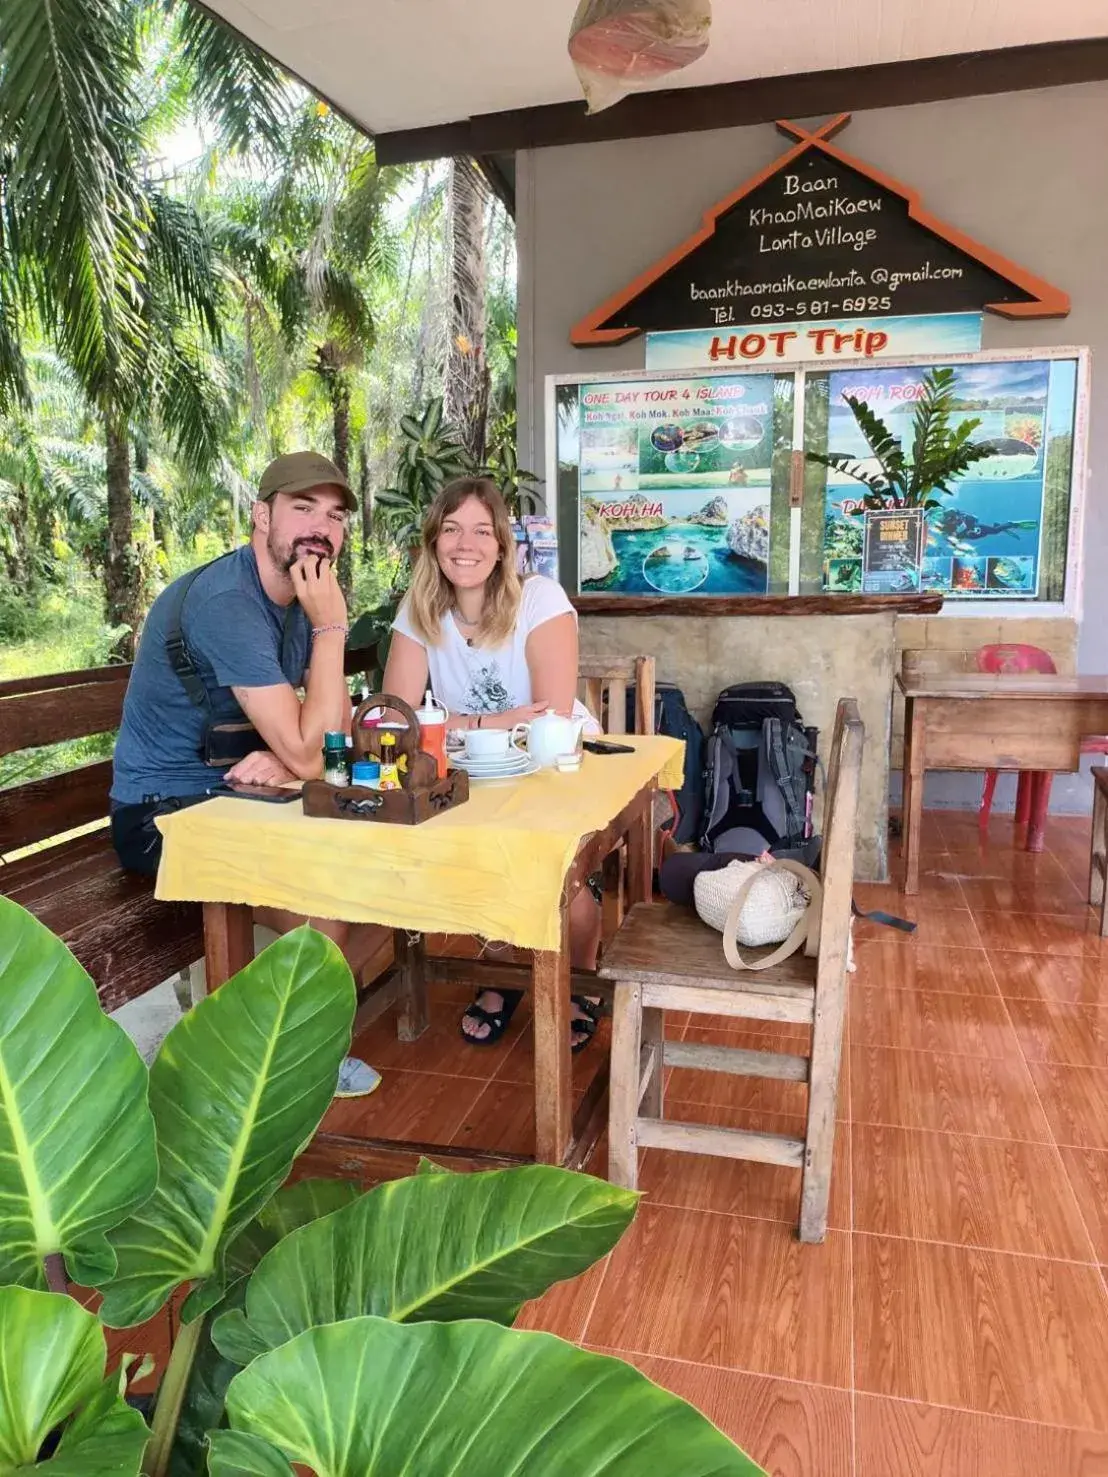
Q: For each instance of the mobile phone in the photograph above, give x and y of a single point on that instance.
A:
(595, 746)
(271, 794)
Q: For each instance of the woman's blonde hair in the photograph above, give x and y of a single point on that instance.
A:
(431, 594)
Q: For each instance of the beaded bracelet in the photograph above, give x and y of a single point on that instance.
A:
(322, 630)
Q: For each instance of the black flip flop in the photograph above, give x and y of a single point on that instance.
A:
(586, 1023)
(496, 1020)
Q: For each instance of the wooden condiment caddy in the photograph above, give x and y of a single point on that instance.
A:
(422, 795)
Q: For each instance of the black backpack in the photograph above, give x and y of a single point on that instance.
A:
(672, 717)
(759, 772)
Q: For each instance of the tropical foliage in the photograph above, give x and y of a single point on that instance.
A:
(320, 1325)
(201, 266)
(431, 453)
(938, 454)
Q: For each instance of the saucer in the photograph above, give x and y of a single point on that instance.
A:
(501, 762)
(512, 772)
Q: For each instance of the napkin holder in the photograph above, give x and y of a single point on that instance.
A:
(422, 795)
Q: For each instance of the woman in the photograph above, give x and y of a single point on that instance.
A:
(497, 649)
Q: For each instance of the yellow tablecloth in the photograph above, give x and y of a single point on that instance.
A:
(493, 867)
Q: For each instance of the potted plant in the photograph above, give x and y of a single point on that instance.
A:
(348, 1333)
(939, 453)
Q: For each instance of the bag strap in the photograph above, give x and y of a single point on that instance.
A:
(176, 650)
(180, 658)
(804, 936)
(783, 778)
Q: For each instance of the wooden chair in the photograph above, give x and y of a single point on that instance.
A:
(603, 689)
(665, 958)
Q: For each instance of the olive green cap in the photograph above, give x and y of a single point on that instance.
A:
(299, 471)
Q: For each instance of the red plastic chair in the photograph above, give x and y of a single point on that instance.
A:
(1033, 793)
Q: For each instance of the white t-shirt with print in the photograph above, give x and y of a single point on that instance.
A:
(490, 679)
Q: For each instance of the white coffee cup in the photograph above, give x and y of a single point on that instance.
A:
(491, 743)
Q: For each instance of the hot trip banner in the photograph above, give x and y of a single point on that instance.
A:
(763, 345)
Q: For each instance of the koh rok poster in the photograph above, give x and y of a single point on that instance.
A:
(675, 485)
(993, 537)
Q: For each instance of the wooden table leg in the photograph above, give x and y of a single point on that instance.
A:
(1098, 858)
(553, 1063)
(640, 852)
(912, 811)
(1041, 782)
(228, 941)
(413, 1016)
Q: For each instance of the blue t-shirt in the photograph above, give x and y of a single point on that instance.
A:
(233, 632)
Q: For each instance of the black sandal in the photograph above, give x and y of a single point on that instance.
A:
(587, 1022)
(496, 1020)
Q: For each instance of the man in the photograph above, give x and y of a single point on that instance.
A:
(213, 694)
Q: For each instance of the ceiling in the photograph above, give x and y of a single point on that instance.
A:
(404, 64)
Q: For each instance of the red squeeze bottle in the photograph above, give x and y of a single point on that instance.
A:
(432, 732)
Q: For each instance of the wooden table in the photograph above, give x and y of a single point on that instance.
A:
(561, 1137)
(1029, 721)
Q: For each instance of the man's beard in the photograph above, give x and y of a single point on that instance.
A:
(286, 555)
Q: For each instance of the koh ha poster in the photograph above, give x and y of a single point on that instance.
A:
(989, 538)
(675, 485)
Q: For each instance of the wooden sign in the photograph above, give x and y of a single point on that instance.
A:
(818, 235)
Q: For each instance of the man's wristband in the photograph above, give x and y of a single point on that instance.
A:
(322, 630)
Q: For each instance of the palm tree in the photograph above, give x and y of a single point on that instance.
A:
(306, 246)
(467, 370)
(118, 274)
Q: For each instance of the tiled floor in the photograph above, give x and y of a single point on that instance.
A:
(955, 1321)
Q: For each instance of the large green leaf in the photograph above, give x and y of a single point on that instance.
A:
(76, 1136)
(237, 1090)
(460, 1400)
(211, 1373)
(53, 1376)
(435, 1246)
(292, 1207)
(236, 1455)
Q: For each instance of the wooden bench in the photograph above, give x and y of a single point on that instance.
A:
(126, 939)
(665, 958)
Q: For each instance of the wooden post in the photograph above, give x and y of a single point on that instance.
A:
(550, 982)
(228, 941)
(623, 1089)
(644, 695)
(652, 1038)
(640, 851)
(413, 1015)
(912, 803)
(837, 868)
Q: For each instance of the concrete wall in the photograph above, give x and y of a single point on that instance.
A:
(1023, 173)
(820, 657)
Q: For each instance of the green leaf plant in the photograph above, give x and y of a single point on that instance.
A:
(939, 454)
(355, 1334)
(430, 455)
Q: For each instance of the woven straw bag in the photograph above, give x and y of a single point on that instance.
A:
(760, 903)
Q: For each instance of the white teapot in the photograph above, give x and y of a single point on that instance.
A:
(550, 735)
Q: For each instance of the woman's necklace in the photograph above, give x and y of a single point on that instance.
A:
(462, 621)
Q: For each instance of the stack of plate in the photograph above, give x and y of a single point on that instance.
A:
(512, 765)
